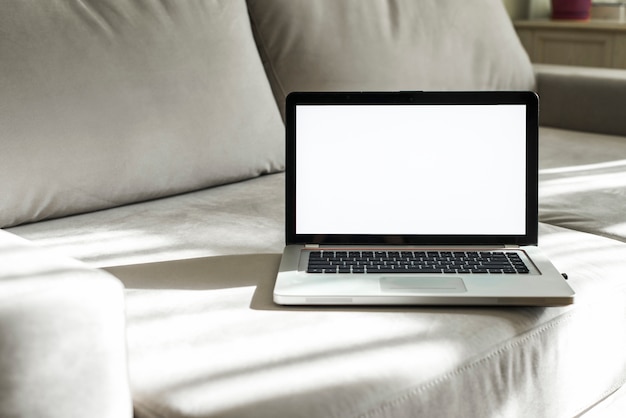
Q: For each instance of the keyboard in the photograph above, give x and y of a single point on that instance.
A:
(424, 262)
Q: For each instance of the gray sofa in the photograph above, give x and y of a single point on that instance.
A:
(142, 205)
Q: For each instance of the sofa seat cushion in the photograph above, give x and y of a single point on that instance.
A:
(238, 218)
(206, 340)
(388, 45)
(582, 181)
(117, 101)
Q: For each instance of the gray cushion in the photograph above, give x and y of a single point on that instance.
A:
(582, 98)
(389, 45)
(110, 102)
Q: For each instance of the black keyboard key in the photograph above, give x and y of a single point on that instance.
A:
(460, 262)
(429, 270)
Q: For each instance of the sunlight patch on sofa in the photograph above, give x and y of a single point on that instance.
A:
(602, 262)
(207, 366)
(617, 229)
(584, 167)
(581, 183)
(109, 248)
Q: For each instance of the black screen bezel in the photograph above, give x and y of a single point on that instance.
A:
(527, 98)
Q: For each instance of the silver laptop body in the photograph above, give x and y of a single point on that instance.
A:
(414, 198)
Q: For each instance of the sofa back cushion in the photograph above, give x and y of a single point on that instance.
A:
(389, 45)
(114, 101)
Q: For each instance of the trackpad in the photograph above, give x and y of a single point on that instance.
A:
(422, 284)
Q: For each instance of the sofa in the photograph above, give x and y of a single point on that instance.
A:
(142, 216)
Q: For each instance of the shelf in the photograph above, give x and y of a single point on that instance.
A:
(592, 43)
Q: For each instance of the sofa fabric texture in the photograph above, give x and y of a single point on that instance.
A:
(232, 353)
(245, 217)
(355, 45)
(111, 102)
(206, 340)
(582, 181)
(63, 336)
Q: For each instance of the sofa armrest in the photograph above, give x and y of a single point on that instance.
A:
(62, 336)
(582, 98)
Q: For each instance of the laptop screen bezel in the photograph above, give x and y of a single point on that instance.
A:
(527, 98)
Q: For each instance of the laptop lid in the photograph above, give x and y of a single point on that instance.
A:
(418, 168)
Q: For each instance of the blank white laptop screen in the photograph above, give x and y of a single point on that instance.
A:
(411, 169)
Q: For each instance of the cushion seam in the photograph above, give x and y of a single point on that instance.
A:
(565, 317)
(602, 397)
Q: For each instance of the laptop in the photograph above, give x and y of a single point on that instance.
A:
(414, 198)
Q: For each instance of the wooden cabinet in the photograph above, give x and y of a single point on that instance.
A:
(591, 44)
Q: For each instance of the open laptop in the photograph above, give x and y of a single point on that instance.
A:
(414, 198)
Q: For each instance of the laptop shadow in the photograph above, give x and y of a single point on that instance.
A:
(233, 271)
(205, 273)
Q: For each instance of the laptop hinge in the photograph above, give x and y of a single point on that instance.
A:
(511, 246)
(311, 245)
